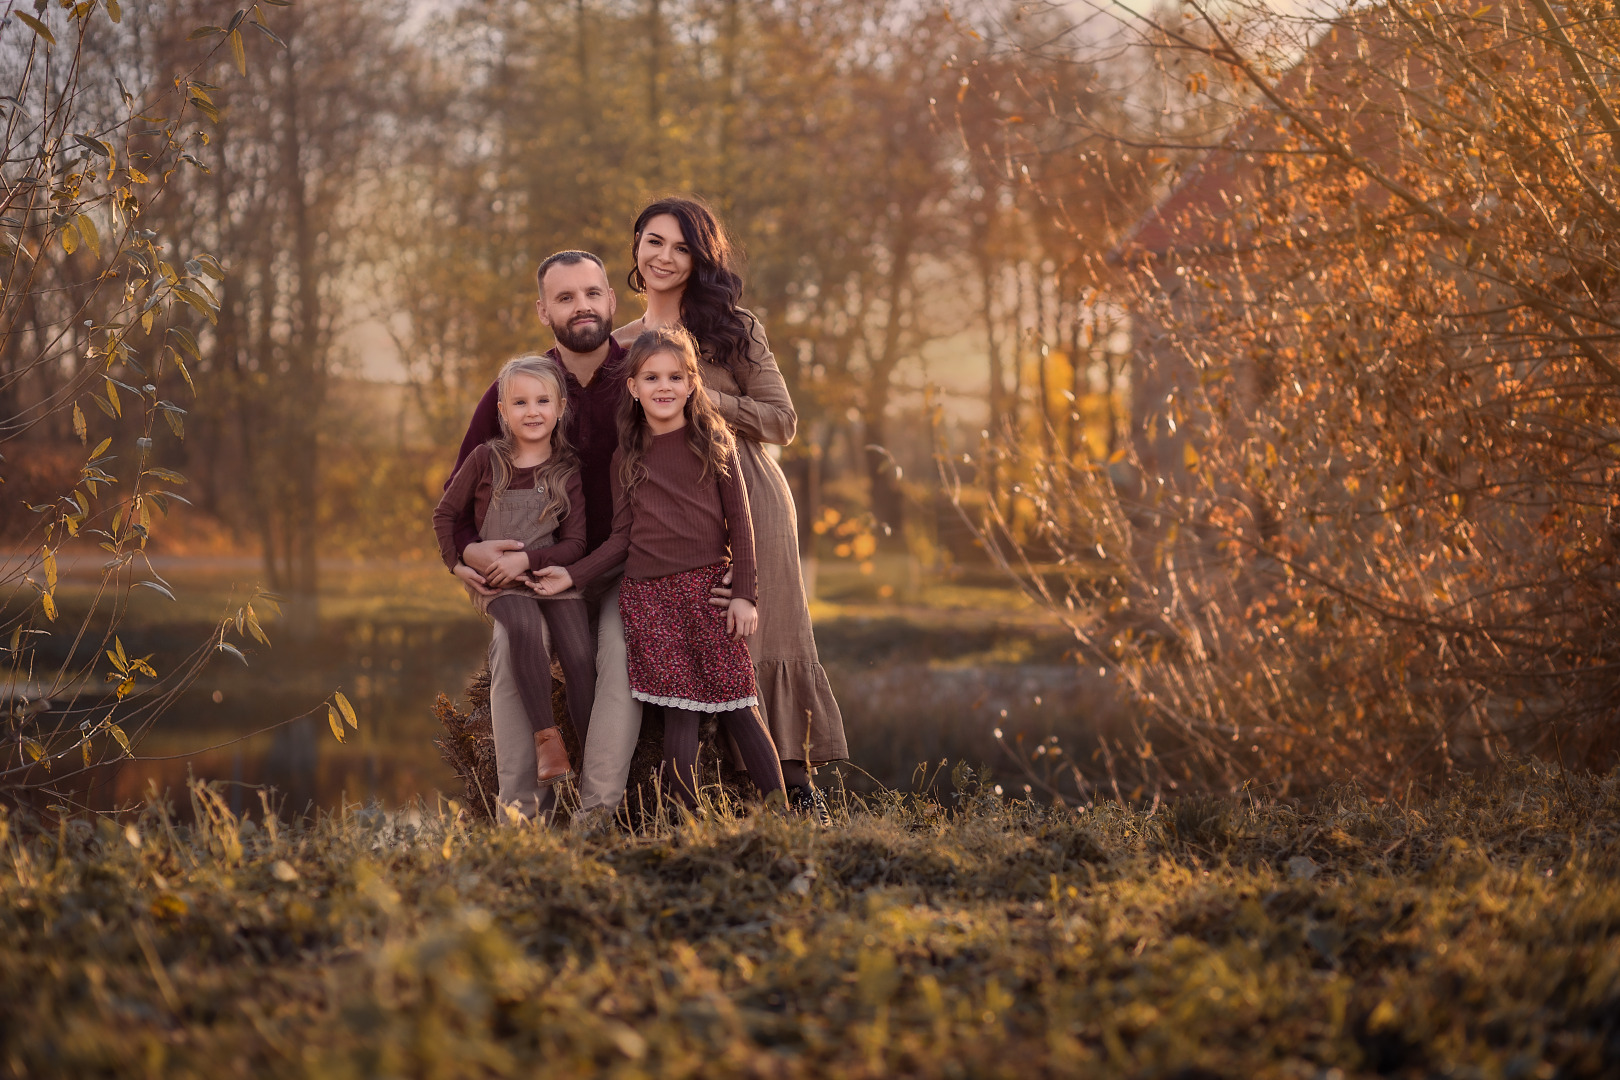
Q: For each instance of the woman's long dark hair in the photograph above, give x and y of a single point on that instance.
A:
(710, 305)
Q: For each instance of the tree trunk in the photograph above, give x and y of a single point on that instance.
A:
(307, 376)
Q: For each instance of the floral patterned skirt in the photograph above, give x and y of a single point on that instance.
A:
(679, 652)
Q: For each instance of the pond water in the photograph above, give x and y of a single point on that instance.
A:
(914, 687)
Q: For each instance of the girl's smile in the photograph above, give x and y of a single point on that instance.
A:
(662, 256)
(662, 386)
(530, 410)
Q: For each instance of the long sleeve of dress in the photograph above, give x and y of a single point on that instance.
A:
(456, 504)
(763, 411)
(740, 532)
(616, 548)
(570, 541)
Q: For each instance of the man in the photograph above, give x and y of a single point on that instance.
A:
(577, 304)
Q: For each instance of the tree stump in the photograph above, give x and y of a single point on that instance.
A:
(468, 747)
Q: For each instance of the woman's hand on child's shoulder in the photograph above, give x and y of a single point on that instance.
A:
(551, 580)
(742, 618)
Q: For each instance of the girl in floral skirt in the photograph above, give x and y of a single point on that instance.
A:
(679, 510)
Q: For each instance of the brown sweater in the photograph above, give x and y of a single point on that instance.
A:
(474, 485)
(676, 520)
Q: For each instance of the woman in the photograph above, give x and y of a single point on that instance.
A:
(682, 265)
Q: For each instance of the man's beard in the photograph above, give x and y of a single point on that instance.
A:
(582, 337)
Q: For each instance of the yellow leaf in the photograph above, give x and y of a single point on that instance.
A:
(49, 604)
(70, 238)
(112, 399)
(50, 568)
(146, 321)
(123, 740)
(238, 53)
(101, 448)
(337, 725)
(35, 750)
(1189, 455)
(79, 427)
(166, 905)
(139, 177)
(38, 27)
(347, 710)
(88, 230)
(115, 12)
(184, 374)
(254, 628)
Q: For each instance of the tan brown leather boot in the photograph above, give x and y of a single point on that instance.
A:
(552, 755)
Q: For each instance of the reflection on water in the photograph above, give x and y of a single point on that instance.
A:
(392, 675)
(909, 695)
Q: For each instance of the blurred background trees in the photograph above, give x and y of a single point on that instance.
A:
(380, 187)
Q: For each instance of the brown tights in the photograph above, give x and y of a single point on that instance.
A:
(745, 728)
(570, 625)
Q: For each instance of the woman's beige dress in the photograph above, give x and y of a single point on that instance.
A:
(794, 695)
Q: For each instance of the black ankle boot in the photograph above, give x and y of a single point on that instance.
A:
(810, 802)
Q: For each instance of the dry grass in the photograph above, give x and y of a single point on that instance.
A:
(1474, 935)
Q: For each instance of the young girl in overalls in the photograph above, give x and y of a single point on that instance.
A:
(525, 486)
(679, 509)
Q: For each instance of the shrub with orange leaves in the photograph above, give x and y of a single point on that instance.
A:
(1367, 526)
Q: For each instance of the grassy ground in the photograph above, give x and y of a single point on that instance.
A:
(1473, 935)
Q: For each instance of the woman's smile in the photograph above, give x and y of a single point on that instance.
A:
(662, 254)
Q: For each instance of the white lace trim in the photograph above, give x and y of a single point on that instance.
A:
(695, 706)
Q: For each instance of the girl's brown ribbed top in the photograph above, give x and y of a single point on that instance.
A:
(677, 519)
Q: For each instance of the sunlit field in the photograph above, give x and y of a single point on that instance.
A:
(1472, 935)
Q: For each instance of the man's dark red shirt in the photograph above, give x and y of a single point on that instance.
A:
(592, 427)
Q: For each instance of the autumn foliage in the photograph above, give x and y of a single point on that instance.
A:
(1366, 526)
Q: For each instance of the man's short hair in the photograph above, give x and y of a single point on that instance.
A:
(566, 258)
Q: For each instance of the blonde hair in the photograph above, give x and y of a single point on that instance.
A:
(556, 470)
(707, 434)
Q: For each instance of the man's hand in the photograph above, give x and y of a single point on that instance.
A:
(479, 556)
(720, 596)
(742, 618)
(508, 569)
(474, 579)
(551, 580)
